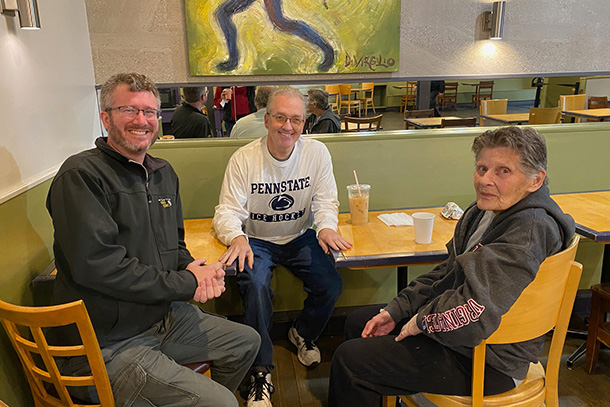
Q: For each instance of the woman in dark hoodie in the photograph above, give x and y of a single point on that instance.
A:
(322, 119)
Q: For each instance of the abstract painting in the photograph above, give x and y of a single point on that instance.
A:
(279, 37)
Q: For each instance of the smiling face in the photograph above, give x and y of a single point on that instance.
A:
(131, 137)
(499, 180)
(283, 136)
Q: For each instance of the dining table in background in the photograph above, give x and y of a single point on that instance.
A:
(428, 122)
(379, 245)
(508, 118)
(597, 114)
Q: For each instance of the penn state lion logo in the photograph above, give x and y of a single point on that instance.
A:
(281, 202)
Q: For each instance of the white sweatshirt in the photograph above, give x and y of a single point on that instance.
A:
(274, 200)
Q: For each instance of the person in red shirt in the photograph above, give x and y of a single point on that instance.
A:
(235, 102)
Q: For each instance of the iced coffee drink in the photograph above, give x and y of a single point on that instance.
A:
(359, 203)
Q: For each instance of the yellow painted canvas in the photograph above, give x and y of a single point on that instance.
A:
(279, 37)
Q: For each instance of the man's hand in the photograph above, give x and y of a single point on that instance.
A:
(240, 249)
(409, 329)
(329, 239)
(380, 325)
(210, 279)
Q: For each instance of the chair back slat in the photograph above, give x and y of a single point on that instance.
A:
(544, 115)
(467, 122)
(35, 319)
(362, 123)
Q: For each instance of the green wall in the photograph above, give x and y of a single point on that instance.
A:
(405, 168)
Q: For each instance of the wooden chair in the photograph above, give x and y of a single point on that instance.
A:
(493, 106)
(469, 122)
(38, 357)
(485, 90)
(345, 99)
(362, 123)
(573, 102)
(416, 113)
(449, 97)
(333, 97)
(410, 97)
(597, 102)
(599, 329)
(545, 115)
(367, 98)
(544, 305)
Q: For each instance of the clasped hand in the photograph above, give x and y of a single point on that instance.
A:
(210, 279)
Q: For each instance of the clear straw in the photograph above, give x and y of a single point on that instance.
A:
(357, 183)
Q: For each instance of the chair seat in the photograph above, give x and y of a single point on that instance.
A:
(530, 392)
(199, 367)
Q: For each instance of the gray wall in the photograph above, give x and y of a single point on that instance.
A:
(438, 38)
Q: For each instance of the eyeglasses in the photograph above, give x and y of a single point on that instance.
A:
(131, 112)
(280, 118)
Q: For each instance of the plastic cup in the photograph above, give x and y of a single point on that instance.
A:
(423, 223)
(359, 203)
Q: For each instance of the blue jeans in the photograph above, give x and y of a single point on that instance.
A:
(307, 261)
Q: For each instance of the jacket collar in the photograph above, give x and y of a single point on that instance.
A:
(150, 163)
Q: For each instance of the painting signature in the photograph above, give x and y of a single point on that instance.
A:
(370, 61)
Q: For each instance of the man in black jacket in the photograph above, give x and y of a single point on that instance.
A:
(188, 120)
(119, 246)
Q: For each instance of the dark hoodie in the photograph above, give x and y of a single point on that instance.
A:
(488, 279)
(327, 122)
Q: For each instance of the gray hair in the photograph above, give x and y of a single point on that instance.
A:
(319, 97)
(136, 82)
(287, 92)
(262, 95)
(525, 141)
(193, 94)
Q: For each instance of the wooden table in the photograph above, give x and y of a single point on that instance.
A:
(508, 118)
(201, 241)
(590, 211)
(428, 122)
(598, 114)
(379, 245)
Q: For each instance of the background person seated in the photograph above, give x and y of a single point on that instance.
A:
(188, 120)
(322, 119)
(253, 125)
(497, 248)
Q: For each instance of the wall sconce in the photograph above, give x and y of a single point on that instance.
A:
(493, 21)
(28, 12)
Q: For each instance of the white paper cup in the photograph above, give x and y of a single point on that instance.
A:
(423, 223)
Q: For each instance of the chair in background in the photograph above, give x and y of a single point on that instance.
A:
(367, 97)
(597, 102)
(48, 386)
(491, 107)
(416, 114)
(345, 99)
(333, 97)
(485, 90)
(545, 115)
(468, 122)
(449, 97)
(599, 329)
(545, 305)
(410, 97)
(573, 102)
(356, 124)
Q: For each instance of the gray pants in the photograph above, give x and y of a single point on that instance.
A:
(146, 370)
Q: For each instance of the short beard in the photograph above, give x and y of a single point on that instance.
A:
(115, 135)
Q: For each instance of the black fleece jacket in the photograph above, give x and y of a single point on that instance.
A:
(119, 241)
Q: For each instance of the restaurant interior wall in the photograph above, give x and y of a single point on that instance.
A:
(48, 111)
(437, 39)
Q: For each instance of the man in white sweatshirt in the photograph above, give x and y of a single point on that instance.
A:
(275, 191)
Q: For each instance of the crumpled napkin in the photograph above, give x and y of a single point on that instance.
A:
(396, 219)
